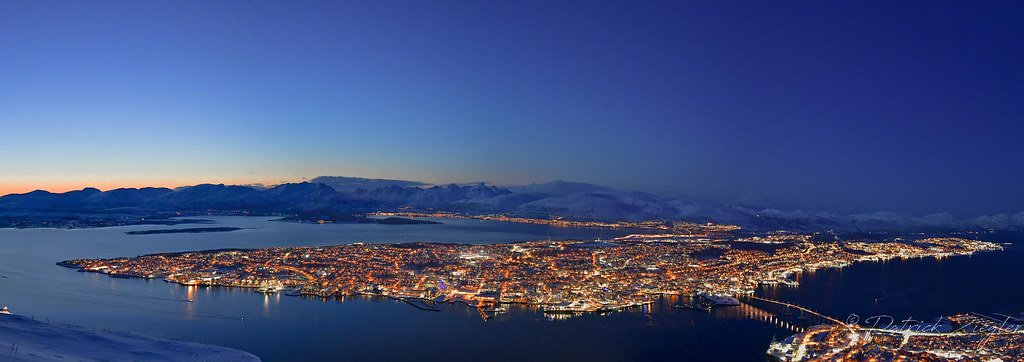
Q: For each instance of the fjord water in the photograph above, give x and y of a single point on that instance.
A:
(919, 289)
(279, 327)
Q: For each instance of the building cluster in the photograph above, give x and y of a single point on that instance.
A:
(675, 226)
(929, 247)
(563, 276)
(966, 338)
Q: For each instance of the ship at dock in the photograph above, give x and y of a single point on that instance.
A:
(708, 301)
(720, 300)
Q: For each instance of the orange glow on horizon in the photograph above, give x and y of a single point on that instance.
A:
(7, 188)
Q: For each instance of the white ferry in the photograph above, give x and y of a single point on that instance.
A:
(721, 300)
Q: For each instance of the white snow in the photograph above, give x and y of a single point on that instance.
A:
(25, 339)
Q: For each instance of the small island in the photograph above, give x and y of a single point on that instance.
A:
(183, 231)
(356, 219)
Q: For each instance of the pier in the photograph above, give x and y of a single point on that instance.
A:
(418, 303)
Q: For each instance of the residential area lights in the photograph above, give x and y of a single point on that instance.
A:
(562, 276)
(566, 223)
(964, 337)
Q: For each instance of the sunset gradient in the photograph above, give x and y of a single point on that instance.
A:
(852, 107)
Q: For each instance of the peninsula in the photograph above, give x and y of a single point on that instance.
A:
(183, 231)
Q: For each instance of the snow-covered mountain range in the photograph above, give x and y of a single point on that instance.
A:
(351, 195)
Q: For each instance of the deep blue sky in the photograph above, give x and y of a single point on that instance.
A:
(855, 107)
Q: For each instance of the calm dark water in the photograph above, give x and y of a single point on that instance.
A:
(279, 327)
(916, 288)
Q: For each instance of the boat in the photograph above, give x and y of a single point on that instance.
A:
(269, 289)
(562, 308)
(721, 300)
(496, 310)
(4, 310)
(694, 306)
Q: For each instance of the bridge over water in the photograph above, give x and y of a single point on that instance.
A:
(781, 308)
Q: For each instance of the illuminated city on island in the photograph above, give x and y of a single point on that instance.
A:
(575, 277)
(481, 181)
(564, 276)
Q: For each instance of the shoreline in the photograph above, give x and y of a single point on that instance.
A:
(786, 277)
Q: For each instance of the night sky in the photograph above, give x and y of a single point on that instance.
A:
(909, 106)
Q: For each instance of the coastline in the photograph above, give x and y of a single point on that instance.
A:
(780, 276)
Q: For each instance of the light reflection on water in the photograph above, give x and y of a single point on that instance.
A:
(281, 328)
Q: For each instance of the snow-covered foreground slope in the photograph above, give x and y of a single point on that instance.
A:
(36, 341)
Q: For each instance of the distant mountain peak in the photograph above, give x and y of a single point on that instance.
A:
(558, 198)
(560, 187)
(346, 184)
